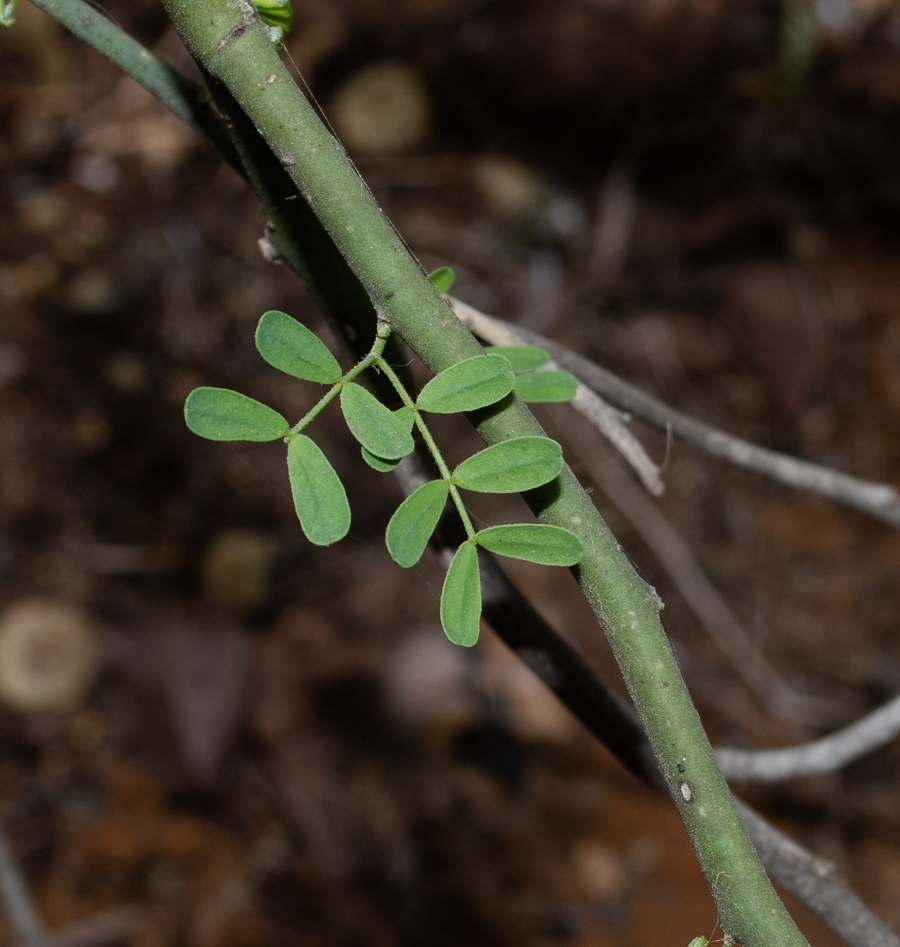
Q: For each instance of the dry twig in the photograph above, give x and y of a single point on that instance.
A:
(607, 420)
(814, 882)
(877, 499)
(820, 756)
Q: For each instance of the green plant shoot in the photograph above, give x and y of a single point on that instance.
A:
(442, 279)
(8, 16)
(278, 18)
(385, 437)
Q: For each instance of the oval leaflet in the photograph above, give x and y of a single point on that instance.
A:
(461, 597)
(521, 463)
(533, 542)
(468, 385)
(289, 346)
(546, 387)
(523, 358)
(442, 279)
(414, 521)
(376, 427)
(319, 496)
(220, 414)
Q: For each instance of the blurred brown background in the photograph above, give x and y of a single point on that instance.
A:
(214, 734)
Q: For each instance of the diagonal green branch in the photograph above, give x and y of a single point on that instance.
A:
(227, 38)
(330, 277)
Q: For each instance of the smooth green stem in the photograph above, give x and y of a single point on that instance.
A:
(228, 39)
(432, 446)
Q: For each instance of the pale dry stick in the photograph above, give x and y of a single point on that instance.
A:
(17, 901)
(876, 499)
(701, 595)
(814, 881)
(817, 757)
(607, 420)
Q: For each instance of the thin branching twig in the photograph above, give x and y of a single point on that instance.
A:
(815, 882)
(877, 499)
(817, 757)
(607, 420)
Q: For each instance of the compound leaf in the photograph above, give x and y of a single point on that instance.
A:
(468, 385)
(319, 495)
(290, 347)
(533, 542)
(411, 526)
(521, 463)
(523, 358)
(442, 279)
(461, 597)
(544, 387)
(376, 427)
(220, 414)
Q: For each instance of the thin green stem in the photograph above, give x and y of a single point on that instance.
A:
(371, 359)
(313, 412)
(461, 508)
(393, 378)
(432, 446)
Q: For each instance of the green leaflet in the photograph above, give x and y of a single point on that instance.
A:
(533, 542)
(442, 279)
(411, 526)
(378, 463)
(276, 13)
(8, 12)
(546, 387)
(521, 463)
(461, 597)
(523, 358)
(407, 417)
(468, 385)
(291, 348)
(698, 942)
(376, 427)
(319, 496)
(224, 415)
(278, 18)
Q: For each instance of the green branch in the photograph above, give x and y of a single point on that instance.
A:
(227, 38)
